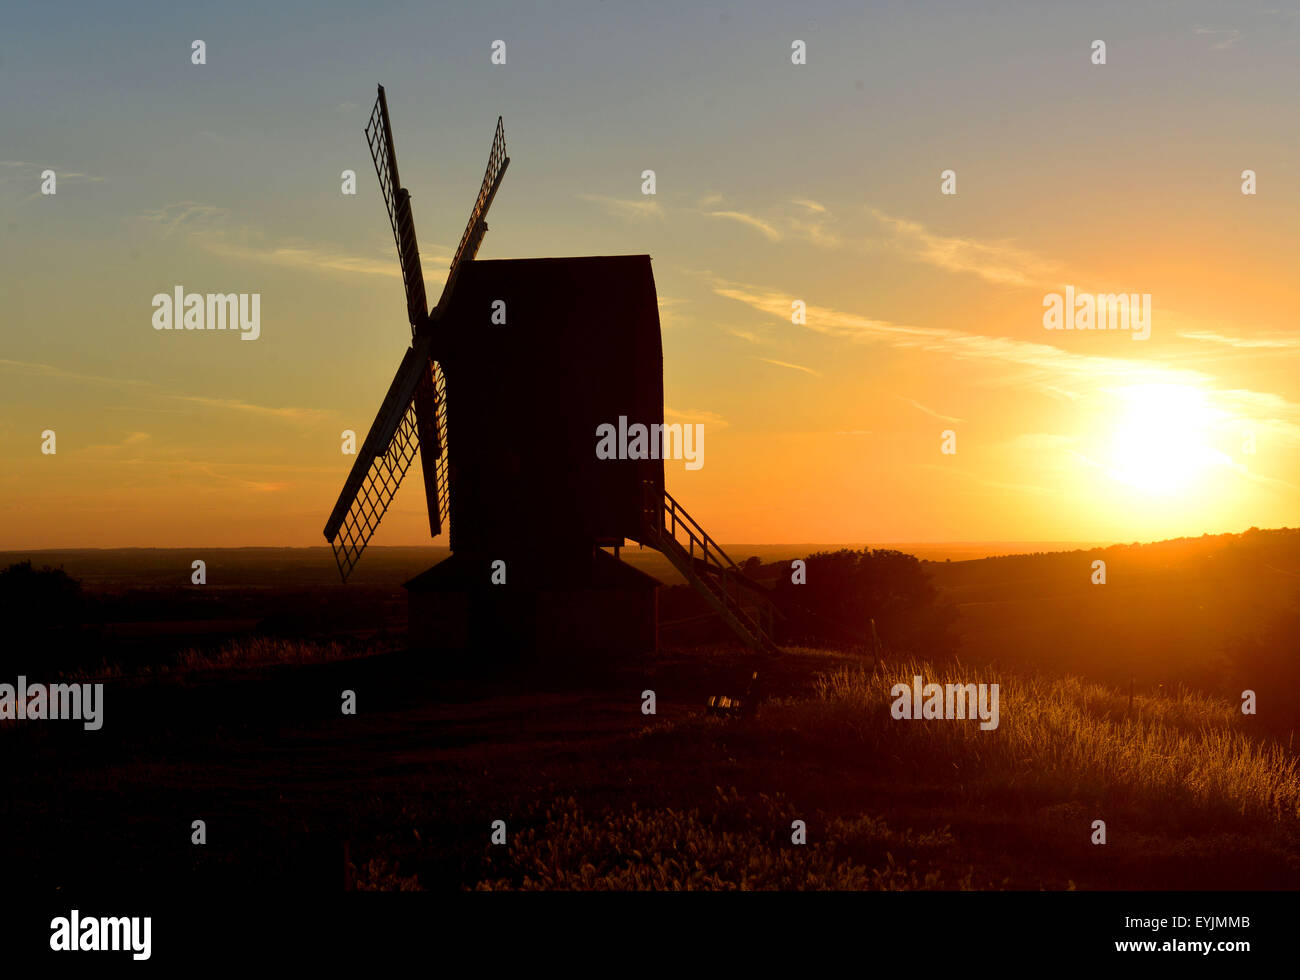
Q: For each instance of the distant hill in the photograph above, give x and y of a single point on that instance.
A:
(1177, 611)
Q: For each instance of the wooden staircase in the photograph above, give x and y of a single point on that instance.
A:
(743, 604)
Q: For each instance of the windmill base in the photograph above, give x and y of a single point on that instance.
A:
(597, 605)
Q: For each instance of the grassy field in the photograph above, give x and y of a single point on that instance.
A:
(1118, 704)
(596, 795)
(1179, 779)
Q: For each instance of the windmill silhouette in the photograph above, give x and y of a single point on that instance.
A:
(534, 355)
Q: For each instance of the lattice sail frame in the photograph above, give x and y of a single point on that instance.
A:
(476, 228)
(496, 168)
(376, 476)
(384, 476)
(443, 499)
(379, 136)
(376, 493)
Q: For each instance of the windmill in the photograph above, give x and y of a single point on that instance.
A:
(534, 354)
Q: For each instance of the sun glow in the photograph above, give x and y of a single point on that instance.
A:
(1160, 444)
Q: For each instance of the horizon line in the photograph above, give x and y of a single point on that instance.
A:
(1089, 542)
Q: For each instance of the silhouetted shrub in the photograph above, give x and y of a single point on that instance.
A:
(846, 590)
(42, 611)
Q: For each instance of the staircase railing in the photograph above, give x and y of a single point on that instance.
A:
(707, 567)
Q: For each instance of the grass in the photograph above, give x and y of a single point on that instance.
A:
(1179, 777)
(735, 844)
(255, 651)
(1065, 751)
(1063, 738)
(239, 653)
(599, 797)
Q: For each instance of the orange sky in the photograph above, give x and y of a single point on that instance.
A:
(776, 183)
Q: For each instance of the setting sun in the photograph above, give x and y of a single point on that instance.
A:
(1160, 444)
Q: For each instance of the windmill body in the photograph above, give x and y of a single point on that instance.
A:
(580, 347)
(501, 394)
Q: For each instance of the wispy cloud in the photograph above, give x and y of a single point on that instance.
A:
(814, 229)
(997, 263)
(1223, 38)
(25, 170)
(131, 439)
(645, 208)
(285, 412)
(209, 227)
(184, 215)
(748, 219)
(929, 411)
(216, 473)
(792, 367)
(818, 235)
(20, 180)
(50, 371)
(671, 310)
(810, 223)
(746, 335)
(1053, 370)
(711, 419)
(312, 259)
(1290, 342)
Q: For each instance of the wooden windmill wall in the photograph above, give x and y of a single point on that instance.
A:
(580, 348)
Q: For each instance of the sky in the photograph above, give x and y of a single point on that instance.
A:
(775, 183)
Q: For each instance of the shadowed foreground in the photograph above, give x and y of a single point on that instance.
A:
(597, 795)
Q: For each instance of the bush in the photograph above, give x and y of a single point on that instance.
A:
(847, 589)
(42, 610)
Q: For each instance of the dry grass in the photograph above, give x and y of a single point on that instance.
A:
(1069, 739)
(737, 845)
(244, 651)
(255, 651)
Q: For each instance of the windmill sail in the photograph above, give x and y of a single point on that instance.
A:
(381, 464)
(413, 416)
(379, 135)
(476, 228)
(431, 426)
